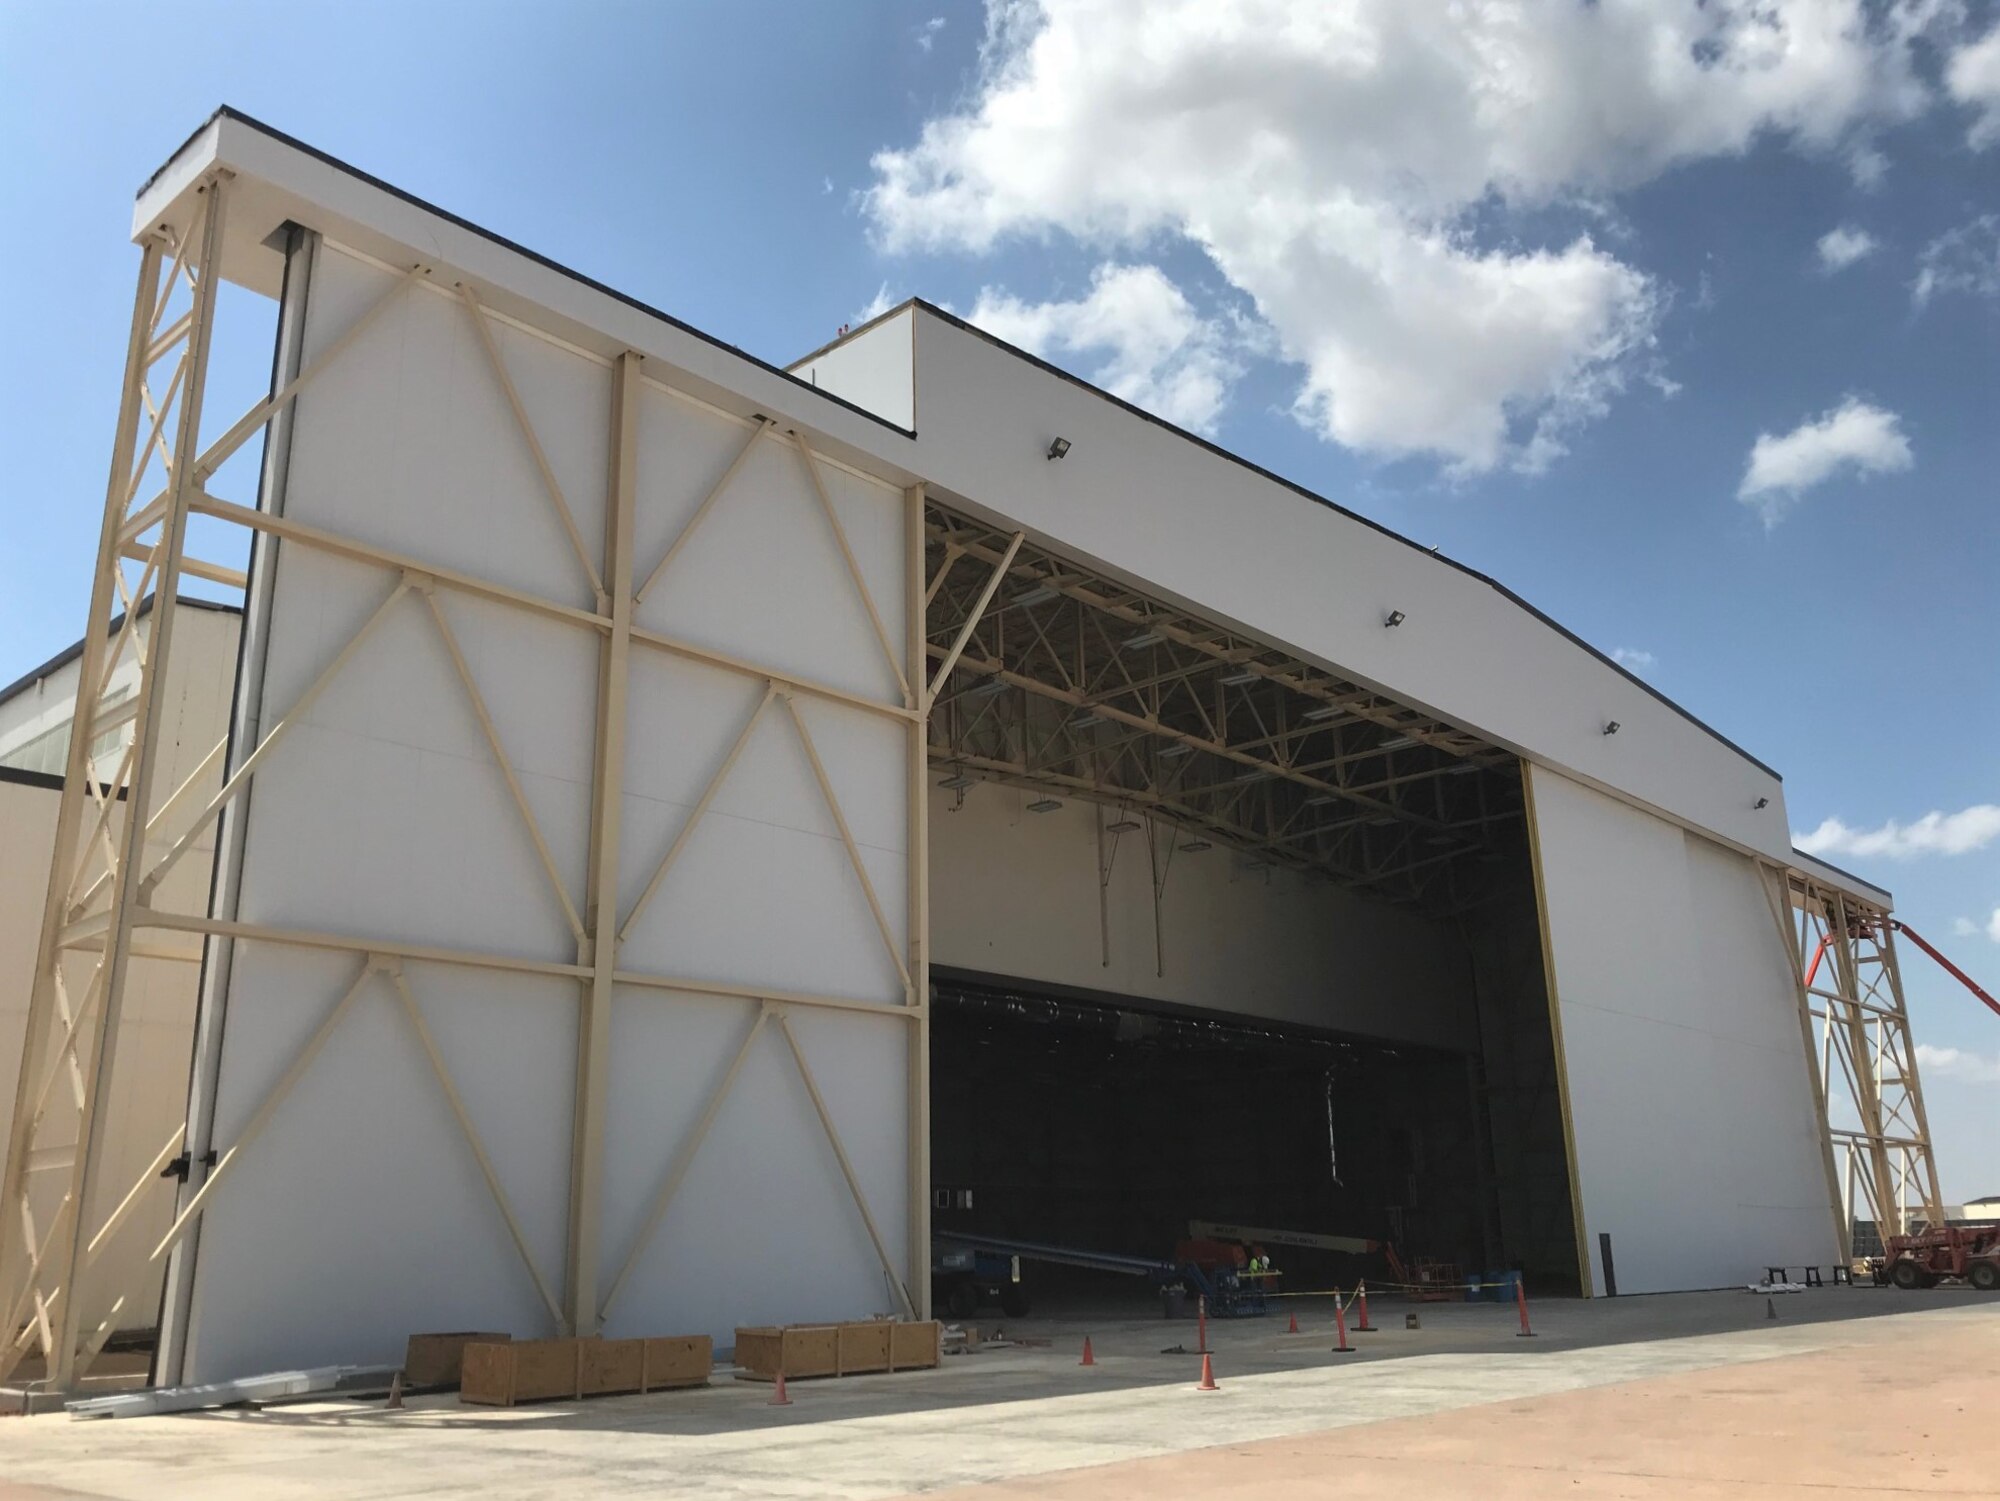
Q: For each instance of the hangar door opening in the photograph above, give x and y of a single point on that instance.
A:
(1220, 937)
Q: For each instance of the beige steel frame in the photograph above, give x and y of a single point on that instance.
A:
(1857, 1033)
(41, 1267)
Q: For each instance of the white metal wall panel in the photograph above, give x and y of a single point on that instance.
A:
(359, 1215)
(1697, 1140)
(1016, 893)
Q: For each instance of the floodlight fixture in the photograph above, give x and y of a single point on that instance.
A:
(1393, 619)
(1058, 447)
(1762, 802)
(1611, 727)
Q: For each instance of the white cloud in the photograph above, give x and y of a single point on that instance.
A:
(1965, 927)
(1151, 347)
(1638, 661)
(1934, 834)
(1993, 925)
(1355, 170)
(1972, 78)
(1854, 435)
(1843, 245)
(1966, 259)
(1957, 1063)
(875, 307)
(927, 33)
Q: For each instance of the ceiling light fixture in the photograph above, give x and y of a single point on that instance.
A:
(1397, 742)
(1176, 750)
(956, 781)
(1086, 716)
(1037, 596)
(1196, 846)
(1320, 799)
(1058, 447)
(1324, 711)
(1124, 826)
(1238, 678)
(986, 689)
(1144, 638)
(1044, 805)
(1253, 774)
(1393, 619)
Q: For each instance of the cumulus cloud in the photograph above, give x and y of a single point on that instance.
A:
(1843, 245)
(1638, 661)
(1957, 833)
(1853, 436)
(1957, 1063)
(1972, 78)
(1964, 260)
(1993, 925)
(1139, 336)
(876, 306)
(1361, 172)
(927, 33)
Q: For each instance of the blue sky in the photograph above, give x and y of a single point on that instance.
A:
(1538, 312)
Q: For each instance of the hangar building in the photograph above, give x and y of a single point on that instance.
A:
(689, 831)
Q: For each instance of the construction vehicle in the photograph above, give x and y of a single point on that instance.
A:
(1928, 1256)
(966, 1277)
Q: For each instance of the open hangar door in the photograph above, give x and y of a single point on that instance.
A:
(1218, 935)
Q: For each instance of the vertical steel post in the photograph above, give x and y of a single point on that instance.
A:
(917, 863)
(593, 1036)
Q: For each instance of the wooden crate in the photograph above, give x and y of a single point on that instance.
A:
(434, 1359)
(538, 1370)
(862, 1348)
(677, 1360)
(803, 1351)
(799, 1350)
(914, 1347)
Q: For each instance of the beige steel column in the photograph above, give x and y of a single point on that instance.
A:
(14, 1255)
(600, 949)
(126, 893)
(1904, 1056)
(1843, 950)
(918, 865)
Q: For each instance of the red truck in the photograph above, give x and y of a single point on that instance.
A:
(1968, 1251)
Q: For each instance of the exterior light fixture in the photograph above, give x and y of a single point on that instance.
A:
(1393, 619)
(1037, 596)
(1044, 805)
(1238, 678)
(1611, 727)
(956, 781)
(1144, 638)
(1762, 802)
(1058, 447)
(1124, 826)
(1196, 846)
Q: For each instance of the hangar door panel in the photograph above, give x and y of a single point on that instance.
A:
(1697, 1140)
(399, 1123)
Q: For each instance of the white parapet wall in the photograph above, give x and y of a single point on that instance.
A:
(1699, 1148)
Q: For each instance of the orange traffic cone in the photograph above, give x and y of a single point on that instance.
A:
(1088, 1358)
(1207, 1376)
(1294, 1326)
(779, 1396)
